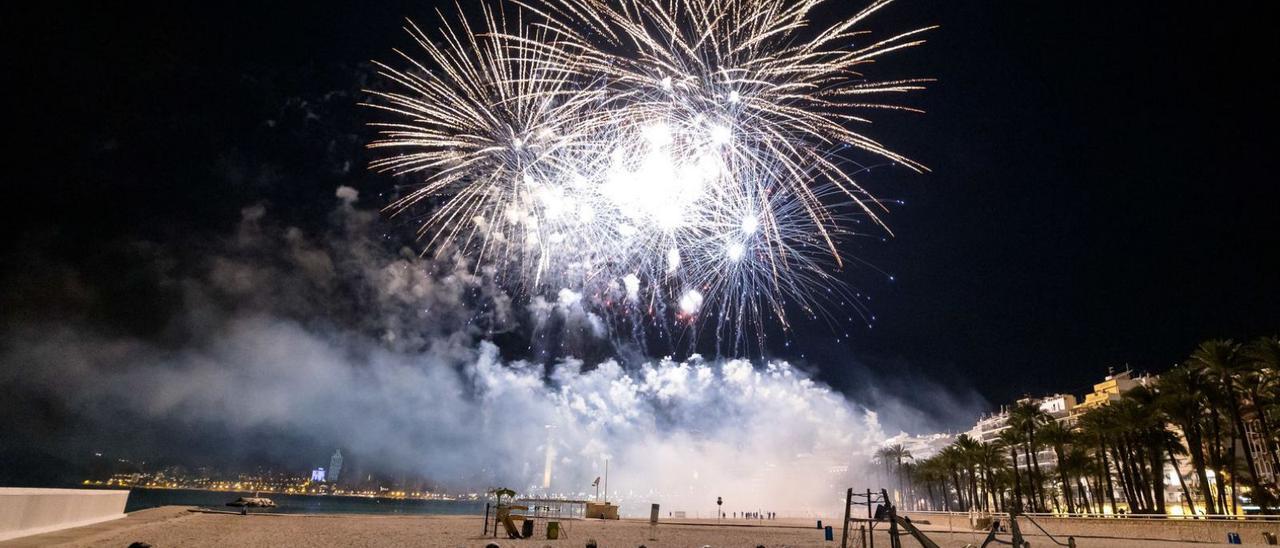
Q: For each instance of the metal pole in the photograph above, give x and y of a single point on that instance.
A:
(844, 531)
(894, 541)
(486, 520)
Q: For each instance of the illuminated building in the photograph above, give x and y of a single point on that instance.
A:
(335, 466)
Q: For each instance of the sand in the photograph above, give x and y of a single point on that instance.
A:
(177, 526)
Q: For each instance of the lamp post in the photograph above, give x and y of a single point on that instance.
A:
(719, 504)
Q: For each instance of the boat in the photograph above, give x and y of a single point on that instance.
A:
(253, 502)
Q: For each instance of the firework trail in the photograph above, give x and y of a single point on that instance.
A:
(672, 161)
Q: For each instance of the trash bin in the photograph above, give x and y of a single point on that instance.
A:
(526, 529)
(553, 530)
(1270, 538)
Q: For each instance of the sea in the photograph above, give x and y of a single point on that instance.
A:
(140, 499)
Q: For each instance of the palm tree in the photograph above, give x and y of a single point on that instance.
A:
(907, 473)
(1222, 361)
(1173, 447)
(899, 454)
(1078, 466)
(1059, 437)
(891, 458)
(1027, 418)
(1095, 426)
(1147, 429)
(1262, 378)
(991, 462)
(932, 473)
(884, 457)
(953, 458)
(1011, 438)
(967, 452)
(1182, 401)
(1197, 411)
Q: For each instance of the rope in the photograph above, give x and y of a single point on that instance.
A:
(1046, 533)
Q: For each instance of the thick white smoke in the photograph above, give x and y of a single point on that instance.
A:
(336, 340)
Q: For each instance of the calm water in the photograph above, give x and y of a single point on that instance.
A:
(299, 504)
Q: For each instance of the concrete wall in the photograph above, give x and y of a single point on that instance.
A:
(26, 511)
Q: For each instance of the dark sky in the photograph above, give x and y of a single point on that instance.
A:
(1102, 193)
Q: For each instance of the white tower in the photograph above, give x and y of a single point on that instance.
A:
(335, 466)
(551, 456)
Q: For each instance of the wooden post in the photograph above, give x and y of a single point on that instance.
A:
(486, 520)
(894, 541)
(871, 529)
(844, 531)
(653, 522)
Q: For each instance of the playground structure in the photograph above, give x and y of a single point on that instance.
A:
(884, 512)
(1015, 533)
(533, 517)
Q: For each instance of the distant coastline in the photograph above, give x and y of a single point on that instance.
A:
(143, 497)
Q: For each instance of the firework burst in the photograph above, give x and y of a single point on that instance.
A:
(670, 160)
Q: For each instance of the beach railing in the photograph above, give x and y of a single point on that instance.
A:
(1143, 527)
(1123, 516)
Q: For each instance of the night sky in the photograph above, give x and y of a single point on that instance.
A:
(1102, 193)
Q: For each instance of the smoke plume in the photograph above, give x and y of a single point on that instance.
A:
(332, 340)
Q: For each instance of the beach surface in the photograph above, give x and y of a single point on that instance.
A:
(180, 526)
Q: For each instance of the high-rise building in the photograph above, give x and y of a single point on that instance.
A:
(335, 465)
(317, 474)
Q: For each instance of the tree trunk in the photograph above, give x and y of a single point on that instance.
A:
(1122, 473)
(1138, 460)
(1098, 491)
(955, 478)
(1232, 463)
(1060, 451)
(1141, 470)
(1195, 445)
(1039, 478)
(1187, 501)
(974, 501)
(1017, 481)
(1156, 454)
(1217, 457)
(1031, 477)
(1106, 474)
(1254, 481)
(1084, 498)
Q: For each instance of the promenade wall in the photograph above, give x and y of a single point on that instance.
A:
(30, 511)
(1138, 527)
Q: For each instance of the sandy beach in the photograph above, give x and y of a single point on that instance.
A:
(179, 526)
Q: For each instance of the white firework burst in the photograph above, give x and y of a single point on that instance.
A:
(675, 160)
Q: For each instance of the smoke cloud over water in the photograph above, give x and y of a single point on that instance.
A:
(332, 341)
